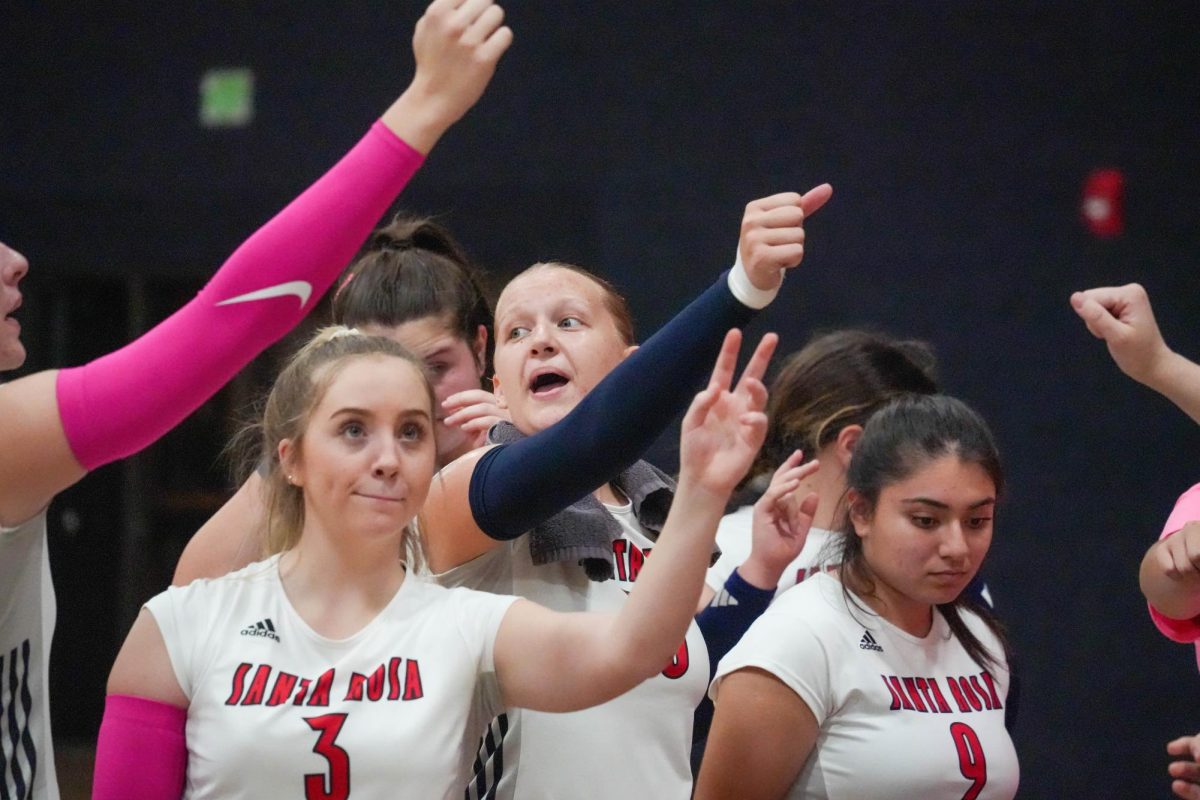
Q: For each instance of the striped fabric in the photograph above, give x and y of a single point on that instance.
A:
(489, 764)
(18, 754)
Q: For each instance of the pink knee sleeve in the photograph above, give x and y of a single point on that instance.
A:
(142, 750)
(122, 402)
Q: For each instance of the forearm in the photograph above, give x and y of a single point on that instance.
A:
(416, 118)
(141, 750)
(1174, 596)
(1178, 379)
(122, 402)
(730, 614)
(723, 622)
(516, 487)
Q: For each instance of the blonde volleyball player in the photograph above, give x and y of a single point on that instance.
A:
(331, 666)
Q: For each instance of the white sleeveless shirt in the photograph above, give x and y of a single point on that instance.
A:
(27, 609)
(636, 745)
(278, 710)
(899, 716)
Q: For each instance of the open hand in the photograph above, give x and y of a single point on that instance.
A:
(780, 524)
(724, 428)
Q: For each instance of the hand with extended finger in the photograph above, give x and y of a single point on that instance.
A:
(475, 411)
(781, 523)
(1123, 318)
(726, 424)
(457, 44)
(772, 237)
(1185, 773)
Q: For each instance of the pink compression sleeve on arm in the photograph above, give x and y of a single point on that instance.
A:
(122, 402)
(142, 750)
(1187, 509)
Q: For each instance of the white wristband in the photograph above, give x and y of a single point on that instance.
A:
(746, 292)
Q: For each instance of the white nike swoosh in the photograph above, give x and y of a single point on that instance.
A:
(302, 290)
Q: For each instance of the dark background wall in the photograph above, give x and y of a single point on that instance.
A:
(628, 137)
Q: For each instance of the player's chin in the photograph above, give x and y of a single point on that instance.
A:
(12, 354)
(945, 587)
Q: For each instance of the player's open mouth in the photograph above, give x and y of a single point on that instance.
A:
(546, 383)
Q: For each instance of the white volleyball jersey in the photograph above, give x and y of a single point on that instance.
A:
(27, 609)
(900, 716)
(277, 710)
(734, 537)
(635, 745)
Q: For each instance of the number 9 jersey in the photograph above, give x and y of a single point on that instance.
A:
(276, 710)
(899, 716)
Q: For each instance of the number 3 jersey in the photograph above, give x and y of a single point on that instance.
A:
(899, 716)
(277, 710)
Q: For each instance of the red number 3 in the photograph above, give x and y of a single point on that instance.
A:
(338, 781)
(971, 762)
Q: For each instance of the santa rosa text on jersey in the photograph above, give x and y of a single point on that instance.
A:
(968, 692)
(397, 679)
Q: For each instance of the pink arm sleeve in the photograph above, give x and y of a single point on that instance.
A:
(1187, 508)
(142, 750)
(122, 402)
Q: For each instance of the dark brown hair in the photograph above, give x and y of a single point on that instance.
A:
(899, 439)
(835, 380)
(411, 269)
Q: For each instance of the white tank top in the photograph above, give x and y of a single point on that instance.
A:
(636, 745)
(900, 716)
(277, 710)
(27, 609)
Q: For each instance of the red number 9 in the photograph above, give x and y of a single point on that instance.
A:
(971, 762)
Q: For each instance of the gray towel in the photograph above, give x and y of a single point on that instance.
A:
(585, 531)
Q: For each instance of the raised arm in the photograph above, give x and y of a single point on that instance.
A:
(560, 662)
(512, 488)
(55, 426)
(1123, 318)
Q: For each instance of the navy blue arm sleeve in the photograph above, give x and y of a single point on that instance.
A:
(518, 486)
(723, 623)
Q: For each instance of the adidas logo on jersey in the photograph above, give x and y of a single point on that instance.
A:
(261, 628)
(868, 643)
